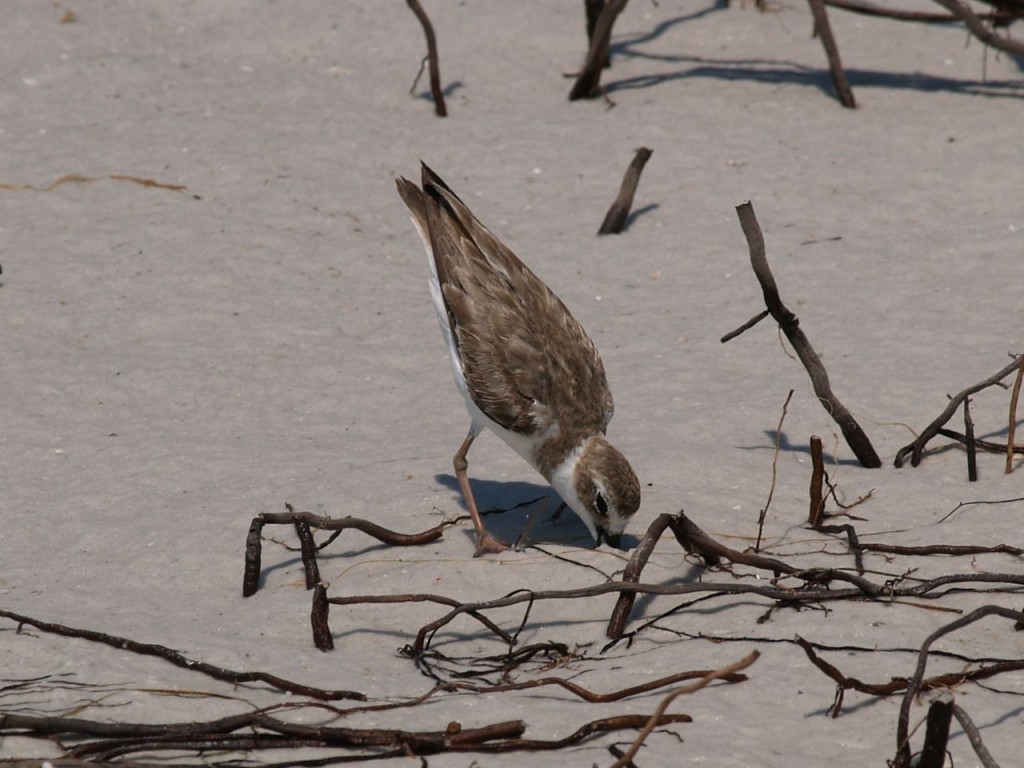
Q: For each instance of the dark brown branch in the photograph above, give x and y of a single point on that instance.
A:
(303, 521)
(972, 446)
(902, 759)
(615, 220)
(593, 10)
(318, 618)
(899, 684)
(1011, 430)
(980, 30)
(178, 660)
(631, 574)
(745, 327)
(588, 81)
(855, 436)
(817, 510)
(597, 698)
(916, 448)
(940, 715)
(824, 30)
(979, 445)
(435, 68)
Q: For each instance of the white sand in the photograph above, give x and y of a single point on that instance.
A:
(171, 367)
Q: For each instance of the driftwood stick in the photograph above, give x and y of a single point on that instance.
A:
(1011, 430)
(588, 81)
(979, 445)
(179, 660)
(659, 713)
(435, 68)
(817, 511)
(593, 9)
(972, 447)
(305, 523)
(253, 552)
(980, 30)
(775, 473)
(318, 619)
(916, 448)
(631, 574)
(307, 546)
(974, 736)
(1001, 15)
(824, 30)
(936, 736)
(745, 327)
(855, 436)
(903, 755)
(615, 220)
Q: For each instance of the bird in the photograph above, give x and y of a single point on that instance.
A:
(525, 366)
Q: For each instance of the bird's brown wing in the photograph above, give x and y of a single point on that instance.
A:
(528, 361)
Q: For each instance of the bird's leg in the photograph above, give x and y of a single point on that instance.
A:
(485, 543)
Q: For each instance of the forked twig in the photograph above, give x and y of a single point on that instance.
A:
(903, 754)
(916, 448)
(659, 713)
(790, 325)
(303, 522)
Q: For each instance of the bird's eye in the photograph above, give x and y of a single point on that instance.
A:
(601, 504)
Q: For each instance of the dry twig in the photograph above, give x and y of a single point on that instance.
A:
(432, 58)
(855, 436)
(615, 220)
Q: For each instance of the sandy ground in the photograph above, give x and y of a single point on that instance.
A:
(175, 362)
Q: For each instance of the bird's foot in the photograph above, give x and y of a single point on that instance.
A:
(487, 544)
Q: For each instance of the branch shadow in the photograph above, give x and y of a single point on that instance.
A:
(787, 446)
(784, 72)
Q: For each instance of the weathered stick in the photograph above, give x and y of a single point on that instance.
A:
(659, 713)
(855, 436)
(318, 619)
(588, 81)
(179, 660)
(916, 448)
(775, 472)
(303, 522)
(1011, 430)
(615, 220)
(980, 30)
(972, 447)
(903, 755)
(817, 511)
(593, 9)
(974, 736)
(824, 30)
(936, 736)
(435, 68)
(631, 574)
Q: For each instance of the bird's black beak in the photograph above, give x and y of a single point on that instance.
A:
(614, 539)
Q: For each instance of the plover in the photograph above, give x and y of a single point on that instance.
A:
(526, 368)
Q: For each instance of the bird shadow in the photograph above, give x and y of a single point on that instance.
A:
(506, 507)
